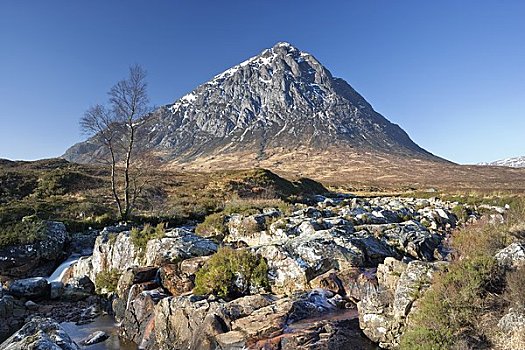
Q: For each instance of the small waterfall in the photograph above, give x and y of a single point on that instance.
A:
(130, 296)
(57, 275)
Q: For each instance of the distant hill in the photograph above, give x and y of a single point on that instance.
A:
(514, 162)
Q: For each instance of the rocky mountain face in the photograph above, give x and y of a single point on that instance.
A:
(515, 162)
(279, 102)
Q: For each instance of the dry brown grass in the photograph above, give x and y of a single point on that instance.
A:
(368, 171)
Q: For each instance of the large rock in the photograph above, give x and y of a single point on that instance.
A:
(78, 288)
(83, 267)
(135, 275)
(36, 287)
(512, 321)
(138, 322)
(409, 238)
(195, 323)
(297, 261)
(12, 315)
(512, 256)
(188, 323)
(252, 230)
(130, 285)
(383, 311)
(286, 274)
(40, 334)
(175, 281)
(37, 259)
(179, 244)
(115, 251)
(317, 319)
(333, 333)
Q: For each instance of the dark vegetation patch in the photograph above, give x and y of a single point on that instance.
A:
(22, 232)
(79, 195)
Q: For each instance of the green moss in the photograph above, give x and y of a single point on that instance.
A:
(107, 281)
(230, 273)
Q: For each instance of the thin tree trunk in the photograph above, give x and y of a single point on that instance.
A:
(113, 181)
(127, 198)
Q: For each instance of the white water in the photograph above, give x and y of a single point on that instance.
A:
(57, 275)
(102, 323)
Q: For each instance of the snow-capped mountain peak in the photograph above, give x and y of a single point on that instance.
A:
(278, 101)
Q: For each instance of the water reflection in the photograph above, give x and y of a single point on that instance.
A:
(103, 323)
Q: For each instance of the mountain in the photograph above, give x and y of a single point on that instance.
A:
(277, 109)
(515, 162)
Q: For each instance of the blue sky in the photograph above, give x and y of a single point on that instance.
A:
(451, 73)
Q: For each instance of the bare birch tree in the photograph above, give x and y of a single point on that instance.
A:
(115, 126)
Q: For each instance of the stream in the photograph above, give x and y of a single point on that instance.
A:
(105, 323)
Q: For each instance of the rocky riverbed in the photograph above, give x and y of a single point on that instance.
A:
(344, 272)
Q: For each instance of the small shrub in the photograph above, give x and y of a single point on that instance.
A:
(140, 238)
(230, 273)
(461, 212)
(451, 306)
(106, 281)
(478, 239)
(213, 226)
